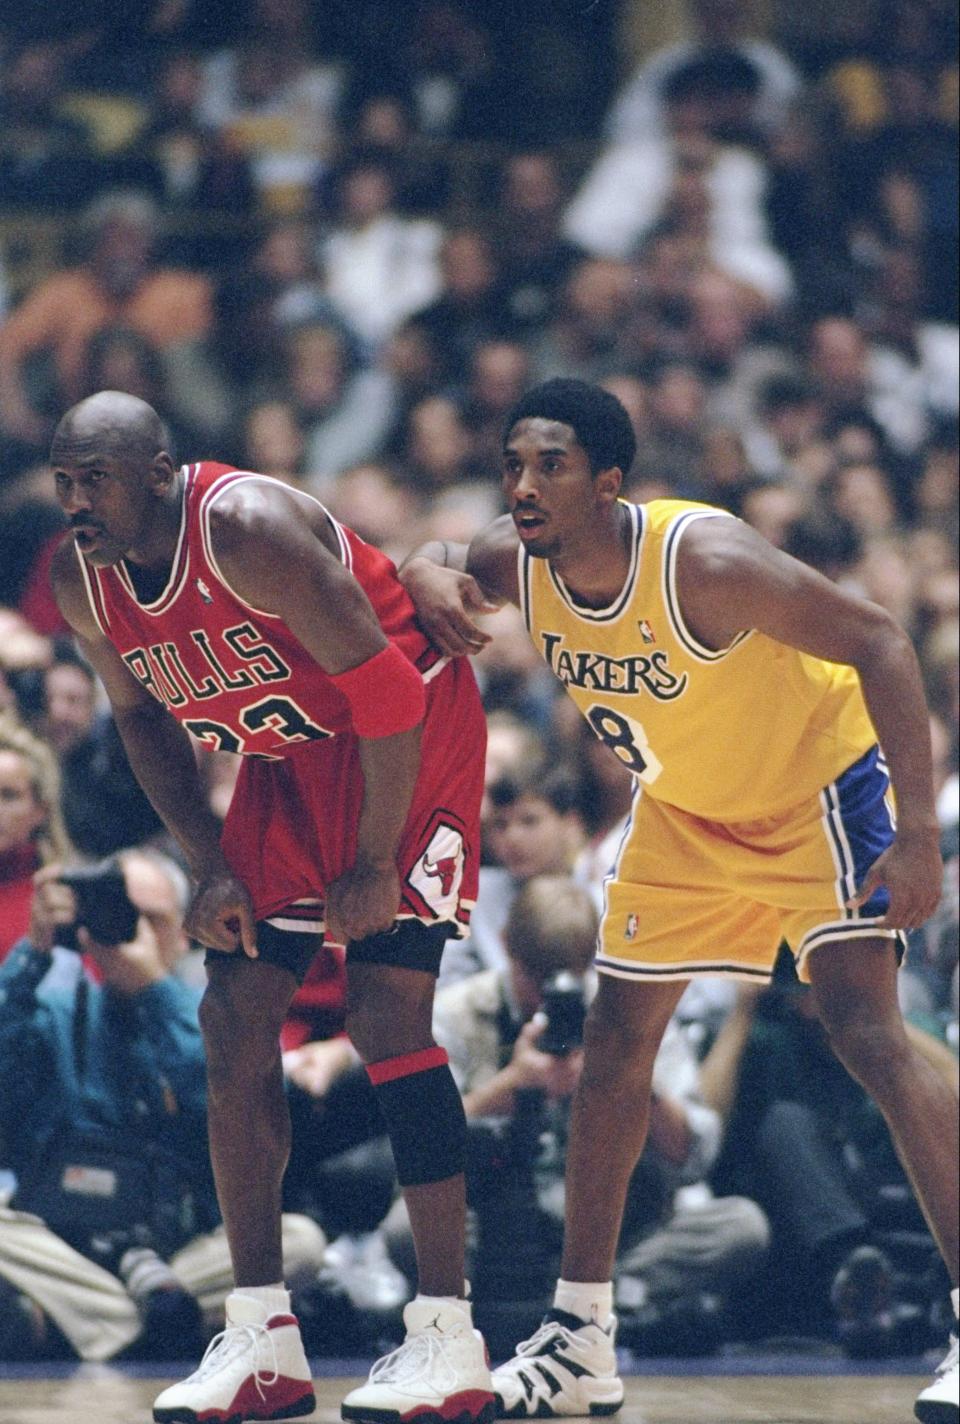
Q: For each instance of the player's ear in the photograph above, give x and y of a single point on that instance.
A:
(163, 472)
(608, 484)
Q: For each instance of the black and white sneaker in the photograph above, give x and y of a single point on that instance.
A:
(940, 1402)
(565, 1368)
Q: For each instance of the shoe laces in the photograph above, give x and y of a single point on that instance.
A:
(230, 1343)
(549, 1330)
(415, 1355)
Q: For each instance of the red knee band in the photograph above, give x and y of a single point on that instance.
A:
(387, 1069)
(385, 693)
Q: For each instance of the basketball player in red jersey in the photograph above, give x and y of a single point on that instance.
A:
(225, 605)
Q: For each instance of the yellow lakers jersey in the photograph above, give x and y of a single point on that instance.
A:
(737, 734)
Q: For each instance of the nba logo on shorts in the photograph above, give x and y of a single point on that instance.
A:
(633, 924)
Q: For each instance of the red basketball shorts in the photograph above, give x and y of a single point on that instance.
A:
(292, 824)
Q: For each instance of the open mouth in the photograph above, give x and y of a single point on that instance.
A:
(86, 536)
(528, 521)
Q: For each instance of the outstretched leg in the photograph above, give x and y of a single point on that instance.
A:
(610, 1118)
(249, 1124)
(856, 988)
(390, 1020)
(569, 1367)
(440, 1372)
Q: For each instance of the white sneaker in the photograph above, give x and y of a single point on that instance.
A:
(439, 1375)
(940, 1402)
(255, 1369)
(565, 1368)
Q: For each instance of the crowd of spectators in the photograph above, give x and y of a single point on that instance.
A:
(334, 245)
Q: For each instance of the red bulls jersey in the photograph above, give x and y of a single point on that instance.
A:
(234, 675)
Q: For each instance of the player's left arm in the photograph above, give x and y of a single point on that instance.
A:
(731, 580)
(277, 553)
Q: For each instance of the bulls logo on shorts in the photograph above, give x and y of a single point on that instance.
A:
(437, 874)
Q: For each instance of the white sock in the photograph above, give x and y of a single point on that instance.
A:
(275, 1299)
(955, 1301)
(592, 1301)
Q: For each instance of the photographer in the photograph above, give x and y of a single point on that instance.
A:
(109, 1241)
(513, 1036)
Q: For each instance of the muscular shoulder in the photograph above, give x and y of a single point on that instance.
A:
(492, 558)
(262, 532)
(259, 516)
(715, 549)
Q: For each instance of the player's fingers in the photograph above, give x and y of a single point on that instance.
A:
(209, 931)
(872, 882)
(247, 930)
(466, 629)
(477, 601)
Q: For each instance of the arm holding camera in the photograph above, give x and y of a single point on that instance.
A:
(529, 1067)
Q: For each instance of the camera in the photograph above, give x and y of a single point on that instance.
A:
(565, 1007)
(104, 908)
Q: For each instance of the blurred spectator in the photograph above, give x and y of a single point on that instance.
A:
(534, 828)
(343, 409)
(514, 1037)
(590, 327)
(720, 28)
(189, 168)
(850, 1250)
(370, 499)
(272, 441)
(381, 267)
(691, 175)
(47, 160)
(110, 1078)
(434, 446)
(535, 258)
(852, 375)
(274, 101)
(119, 358)
(103, 807)
(32, 832)
(498, 373)
(470, 308)
(118, 282)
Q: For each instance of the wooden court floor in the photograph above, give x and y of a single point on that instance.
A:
(102, 1396)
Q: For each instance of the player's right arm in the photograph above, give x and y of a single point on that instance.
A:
(451, 583)
(163, 761)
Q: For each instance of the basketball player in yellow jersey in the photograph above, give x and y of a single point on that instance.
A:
(750, 697)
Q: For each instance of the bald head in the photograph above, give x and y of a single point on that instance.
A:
(113, 422)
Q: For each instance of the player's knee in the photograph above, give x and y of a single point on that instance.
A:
(388, 1011)
(875, 1053)
(238, 1045)
(619, 1047)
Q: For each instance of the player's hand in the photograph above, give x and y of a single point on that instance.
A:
(363, 901)
(912, 871)
(221, 915)
(446, 602)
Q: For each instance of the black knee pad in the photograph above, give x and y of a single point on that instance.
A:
(424, 1115)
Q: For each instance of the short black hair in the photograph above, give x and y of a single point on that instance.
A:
(557, 788)
(597, 418)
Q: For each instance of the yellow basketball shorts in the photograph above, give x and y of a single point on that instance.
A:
(688, 896)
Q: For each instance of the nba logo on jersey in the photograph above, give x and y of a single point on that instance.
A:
(646, 632)
(204, 591)
(437, 874)
(633, 924)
